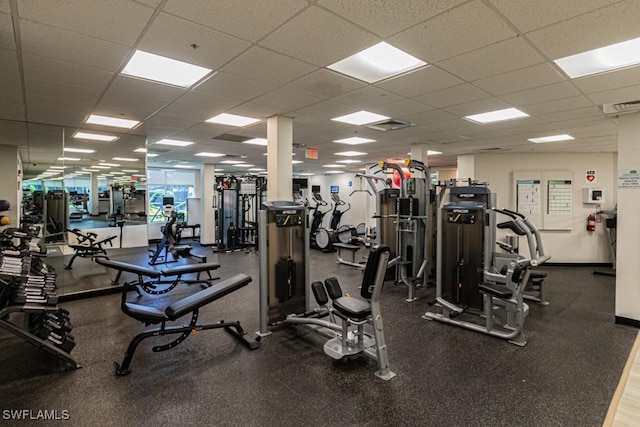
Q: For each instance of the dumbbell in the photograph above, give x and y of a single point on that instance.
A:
(66, 343)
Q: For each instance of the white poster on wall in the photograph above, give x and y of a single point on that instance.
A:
(590, 177)
(628, 178)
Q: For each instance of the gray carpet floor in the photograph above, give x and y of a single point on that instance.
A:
(446, 376)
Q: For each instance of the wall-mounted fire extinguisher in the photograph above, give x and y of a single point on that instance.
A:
(591, 223)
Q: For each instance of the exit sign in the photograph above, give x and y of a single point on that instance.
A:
(311, 153)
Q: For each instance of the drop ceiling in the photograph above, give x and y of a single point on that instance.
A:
(60, 62)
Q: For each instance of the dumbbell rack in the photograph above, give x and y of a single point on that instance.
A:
(27, 287)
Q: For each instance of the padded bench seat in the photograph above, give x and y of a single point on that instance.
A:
(353, 308)
(191, 268)
(499, 291)
(129, 268)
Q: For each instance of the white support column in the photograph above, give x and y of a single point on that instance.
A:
(628, 231)
(208, 194)
(419, 152)
(94, 197)
(279, 166)
(466, 166)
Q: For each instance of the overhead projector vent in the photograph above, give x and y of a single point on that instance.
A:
(389, 124)
(621, 108)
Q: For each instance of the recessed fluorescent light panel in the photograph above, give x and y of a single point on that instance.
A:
(431, 152)
(174, 142)
(360, 118)
(256, 141)
(334, 172)
(608, 58)
(350, 153)
(349, 161)
(78, 150)
(354, 140)
(109, 164)
(69, 159)
(183, 166)
(376, 63)
(115, 122)
(92, 170)
(58, 167)
(257, 169)
(232, 120)
(152, 155)
(232, 162)
(333, 166)
(130, 170)
(296, 162)
(304, 174)
(94, 136)
(245, 165)
(140, 150)
(125, 159)
(497, 116)
(205, 154)
(553, 138)
(161, 69)
(100, 167)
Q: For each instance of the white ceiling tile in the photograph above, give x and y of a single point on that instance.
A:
(488, 61)
(10, 83)
(166, 123)
(325, 110)
(613, 24)
(425, 80)
(152, 3)
(582, 115)
(616, 95)
(258, 111)
(7, 39)
(5, 7)
(57, 110)
(230, 86)
(138, 88)
(325, 84)
(36, 67)
(60, 90)
(463, 29)
(267, 67)
(118, 21)
(286, 100)
(116, 104)
(526, 78)
(477, 107)
(401, 108)
(171, 37)
(65, 46)
(385, 18)
(200, 106)
(557, 105)
(541, 94)
(306, 37)
(528, 15)
(369, 96)
(432, 116)
(9, 61)
(609, 81)
(12, 97)
(452, 96)
(456, 125)
(250, 20)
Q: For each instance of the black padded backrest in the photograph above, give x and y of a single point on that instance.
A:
(511, 225)
(516, 277)
(320, 293)
(369, 279)
(333, 287)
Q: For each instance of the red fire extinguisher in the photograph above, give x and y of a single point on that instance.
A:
(591, 223)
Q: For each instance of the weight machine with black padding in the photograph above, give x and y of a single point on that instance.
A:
(190, 305)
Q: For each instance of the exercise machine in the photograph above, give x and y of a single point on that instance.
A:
(611, 224)
(285, 290)
(321, 238)
(170, 243)
(190, 305)
(87, 246)
(465, 282)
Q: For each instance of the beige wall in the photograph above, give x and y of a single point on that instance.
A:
(577, 245)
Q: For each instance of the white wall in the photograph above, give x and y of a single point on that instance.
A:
(577, 245)
(362, 204)
(628, 265)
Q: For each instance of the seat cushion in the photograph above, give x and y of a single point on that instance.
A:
(144, 313)
(353, 308)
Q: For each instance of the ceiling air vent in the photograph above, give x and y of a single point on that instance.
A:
(231, 137)
(389, 124)
(621, 108)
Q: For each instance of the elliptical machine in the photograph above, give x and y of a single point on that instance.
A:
(336, 217)
(321, 238)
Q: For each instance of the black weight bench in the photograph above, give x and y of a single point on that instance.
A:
(153, 285)
(191, 304)
(88, 246)
(351, 249)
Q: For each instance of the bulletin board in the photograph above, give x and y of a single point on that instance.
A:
(545, 197)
